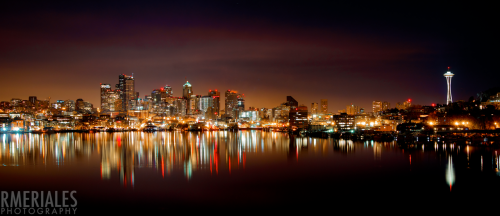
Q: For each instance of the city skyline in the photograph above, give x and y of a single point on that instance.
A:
(244, 46)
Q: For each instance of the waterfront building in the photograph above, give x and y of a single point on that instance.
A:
(344, 122)
(298, 117)
(249, 115)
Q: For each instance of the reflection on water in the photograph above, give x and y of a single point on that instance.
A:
(450, 173)
(223, 151)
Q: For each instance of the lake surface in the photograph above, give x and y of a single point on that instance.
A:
(185, 171)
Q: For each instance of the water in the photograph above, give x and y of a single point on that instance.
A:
(178, 171)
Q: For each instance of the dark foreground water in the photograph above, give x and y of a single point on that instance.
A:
(236, 172)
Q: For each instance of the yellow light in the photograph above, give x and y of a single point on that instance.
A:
(456, 123)
(431, 123)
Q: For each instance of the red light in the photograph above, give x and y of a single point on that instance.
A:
(409, 100)
(162, 89)
(215, 89)
(210, 90)
(433, 104)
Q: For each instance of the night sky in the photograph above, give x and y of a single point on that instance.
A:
(348, 53)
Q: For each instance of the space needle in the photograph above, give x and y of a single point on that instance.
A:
(448, 76)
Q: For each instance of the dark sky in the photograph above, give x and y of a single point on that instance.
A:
(348, 53)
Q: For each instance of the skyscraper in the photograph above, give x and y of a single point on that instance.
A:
(377, 106)
(187, 90)
(104, 97)
(386, 105)
(291, 102)
(314, 108)
(126, 85)
(448, 75)
(215, 102)
(33, 100)
(231, 103)
(324, 106)
(169, 91)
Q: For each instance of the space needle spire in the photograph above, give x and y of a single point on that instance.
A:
(448, 75)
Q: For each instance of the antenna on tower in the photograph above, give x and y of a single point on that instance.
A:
(132, 75)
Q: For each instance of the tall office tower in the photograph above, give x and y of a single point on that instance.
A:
(157, 95)
(206, 103)
(377, 106)
(126, 85)
(448, 76)
(314, 108)
(216, 103)
(231, 103)
(291, 102)
(386, 105)
(80, 105)
(180, 106)
(187, 90)
(352, 110)
(194, 104)
(33, 100)
(324, 106)
(69, 105)
(169, 91)
(104, 97)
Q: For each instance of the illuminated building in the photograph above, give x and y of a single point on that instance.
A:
(448, 76)
(194, 104)
(69, 105)
(249, 115)
(216, 103)
(377, 106)
(79, 105)
(15, 102)
(352, 110)
(298, 117)
(206, 102)
(314, 108)
(104, 96)
(344, 121)
(494, 100)
(291, 102)
(324, 106)
(126, 85)
(187, 90)
(404, 105)
(386, 105)
(168, 91)
(180, 106)
(241, 102)
(231, 103)
(33, 100)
